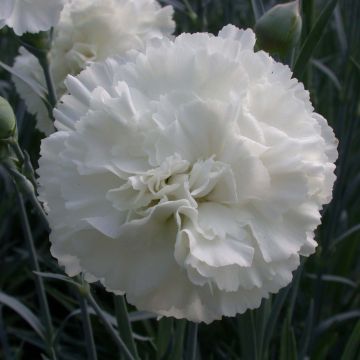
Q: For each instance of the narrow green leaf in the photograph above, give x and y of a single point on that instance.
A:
(191, 343)
(87, 326)
(335, 279)
(340, 30)
(141, 316)
(62, 297)
(39, 284)
(25, 313)
(177, 353)
(353, 345)
(189, 10)
(324, 346)
(248, 335)
(274, 315)
(111, 319)
(305, 340)
(355, 63)
(124, 326)
(36, 87)
(4, 342)
(27, 336)
(332, 321)
(288, 342)
(295, 289)
(60, 277)
(63, 324)
(164, 335)
(345, 235)
(328, 72)
(77, 312)
(292, 345)
(313, 38)
(261, 318)
(115, 336)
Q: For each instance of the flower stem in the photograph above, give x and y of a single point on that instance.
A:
(44, 62)
(40, 288)
(191, 349)
(177, 353)
(89, 337)
(21, 179)
(27, 189)
(109, 327)
(23, 158)
(124, 325)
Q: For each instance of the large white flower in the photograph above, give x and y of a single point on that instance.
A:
(92, 30)
(189, 176)
(30, 15)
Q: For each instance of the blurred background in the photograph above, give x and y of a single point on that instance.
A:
(315, 317)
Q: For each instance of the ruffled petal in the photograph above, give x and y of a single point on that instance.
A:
(32, 16)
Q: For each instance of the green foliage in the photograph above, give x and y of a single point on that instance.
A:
(317, 316)
(313, 38)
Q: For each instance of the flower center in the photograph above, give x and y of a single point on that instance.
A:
(175, 179)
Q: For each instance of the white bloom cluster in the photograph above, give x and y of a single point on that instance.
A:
(90, 30)
(30, 15)
(189, 176)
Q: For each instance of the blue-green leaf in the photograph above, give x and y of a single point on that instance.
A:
(353, 345)
(25, 313)
(313, 38)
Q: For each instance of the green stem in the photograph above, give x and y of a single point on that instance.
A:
(191, 349)
(89, 337)
(180, 327)
(35, 202)
(26, 188)
(44, 62)
(254, 335)
(124, 325)
(22, 179)
(24, 159)
(40, 288)
(120, 343)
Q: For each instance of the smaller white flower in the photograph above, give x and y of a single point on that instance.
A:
(30, 83)
(90, 31)
(30, 15)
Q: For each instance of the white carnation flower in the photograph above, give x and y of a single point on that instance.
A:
(92, 30)
(30, 15)
(189, 177)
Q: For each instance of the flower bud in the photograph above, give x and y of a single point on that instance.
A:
(279, 29)
(7, 120)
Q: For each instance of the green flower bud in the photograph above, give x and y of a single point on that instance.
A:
(7, 120)
(279, 29)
